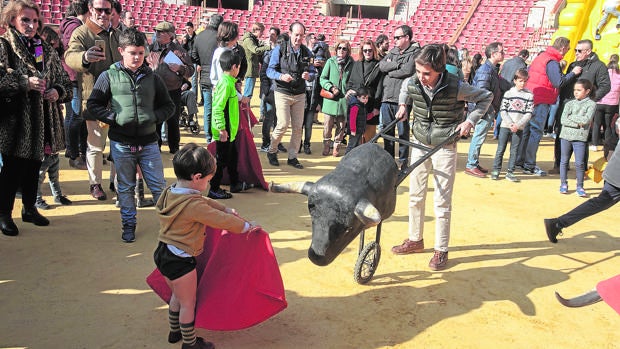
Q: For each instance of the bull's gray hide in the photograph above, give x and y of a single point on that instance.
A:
(359, 193)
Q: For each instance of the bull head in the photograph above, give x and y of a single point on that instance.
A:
(358, 194)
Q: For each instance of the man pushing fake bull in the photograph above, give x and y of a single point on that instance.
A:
(438, 99)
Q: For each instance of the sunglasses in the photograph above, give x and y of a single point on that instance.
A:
(343, 48)
(107, 11)
(367, 50)
(398, 37)
(580, 50)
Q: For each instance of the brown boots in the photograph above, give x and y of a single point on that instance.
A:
(326, 145)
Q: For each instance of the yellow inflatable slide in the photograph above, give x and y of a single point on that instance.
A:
(578, 21)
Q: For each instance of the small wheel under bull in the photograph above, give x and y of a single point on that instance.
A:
(367, 262)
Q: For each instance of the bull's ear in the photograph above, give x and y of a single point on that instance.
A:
(367, 213)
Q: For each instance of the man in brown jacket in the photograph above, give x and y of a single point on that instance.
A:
(93, 47)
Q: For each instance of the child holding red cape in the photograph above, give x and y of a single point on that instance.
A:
(184, 213)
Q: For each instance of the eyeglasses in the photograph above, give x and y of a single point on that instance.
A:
(343, 48)
(367, 50)
(107, 11)
(398, 37)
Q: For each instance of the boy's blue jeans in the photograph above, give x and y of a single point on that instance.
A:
(126, 158)
(502, 142)
(206, 100)
(50, 165)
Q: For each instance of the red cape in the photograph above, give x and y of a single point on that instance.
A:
(609, 290)
(239, 281)
(249, 167)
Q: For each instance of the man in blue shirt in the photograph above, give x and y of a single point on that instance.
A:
(290, 66)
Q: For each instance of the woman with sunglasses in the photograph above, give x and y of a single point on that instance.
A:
(366, 73)
(334, 78)
(33, 86)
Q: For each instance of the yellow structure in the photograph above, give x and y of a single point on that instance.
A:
(578, 21)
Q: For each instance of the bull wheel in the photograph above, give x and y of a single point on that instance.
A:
(367, 262)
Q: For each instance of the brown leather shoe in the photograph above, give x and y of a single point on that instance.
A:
(475, 172)
(408, 247)
(482, 169)
(439, 261)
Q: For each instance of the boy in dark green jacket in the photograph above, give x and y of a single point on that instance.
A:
(132, 100)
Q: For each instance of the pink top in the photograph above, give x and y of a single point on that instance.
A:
(612, 97)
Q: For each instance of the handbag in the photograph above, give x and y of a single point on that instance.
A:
(330, 95)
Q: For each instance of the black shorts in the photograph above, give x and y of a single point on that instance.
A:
(170, 265)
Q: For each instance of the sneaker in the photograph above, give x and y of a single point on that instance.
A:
(408, 247)
(281, 148)
(295, 163)
(536, 171)
(495, 175)
(219, 194)
(439, 261)
(511, 177)
(553, 230)
(63, 200)
(264, 148)
(97, 192)
(199, 344)
(564, 189)
(582, 193)
(273, 159)
(239, 187)
(78, 163)
(143, 202)
(42, 204)
(129, 233)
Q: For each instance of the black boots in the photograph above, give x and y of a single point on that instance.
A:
(7, 225)
(129, 233)
(32, 215)
(140, 200)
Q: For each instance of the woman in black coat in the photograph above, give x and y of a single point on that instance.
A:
(366, 73)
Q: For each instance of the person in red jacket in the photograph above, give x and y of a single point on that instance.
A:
(545, 80)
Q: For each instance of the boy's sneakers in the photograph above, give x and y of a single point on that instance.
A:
(97, 192)
(129, 233)
(40, 203)
(219, 194)
(511, 177)
(495, 175)
(439, 260)
(281, 148)
(536, 171)
(582, 193)
(564, 189)
(264, 148)
(63, 200)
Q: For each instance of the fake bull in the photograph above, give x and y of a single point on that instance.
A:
(358, 194)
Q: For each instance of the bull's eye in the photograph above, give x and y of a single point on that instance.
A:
(310, 207)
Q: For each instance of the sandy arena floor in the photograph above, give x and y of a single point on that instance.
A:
(74, 284)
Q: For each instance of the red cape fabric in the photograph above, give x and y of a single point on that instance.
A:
(239, 281)
(609, 290)
(249, 167)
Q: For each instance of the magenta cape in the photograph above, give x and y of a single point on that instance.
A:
(239, 281)
(609, 290)
(249, 167)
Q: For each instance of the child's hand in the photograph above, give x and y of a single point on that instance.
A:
(514, 128)
(254, 227)
(232, 211)
(223, 136)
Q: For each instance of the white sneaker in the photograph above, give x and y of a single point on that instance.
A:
(594, 148)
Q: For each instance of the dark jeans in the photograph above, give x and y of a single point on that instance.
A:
(18, 173)
(226, 157)
(608, 197)
(388, 112)
(206, 100)
(268, 120)
(354, 141)
(172, 124)
(502, 141)
(579, 148)
(75, 127)
(602, 117)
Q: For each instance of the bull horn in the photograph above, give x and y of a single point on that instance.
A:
(293, 187)
(367, 213)
(587, 298)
